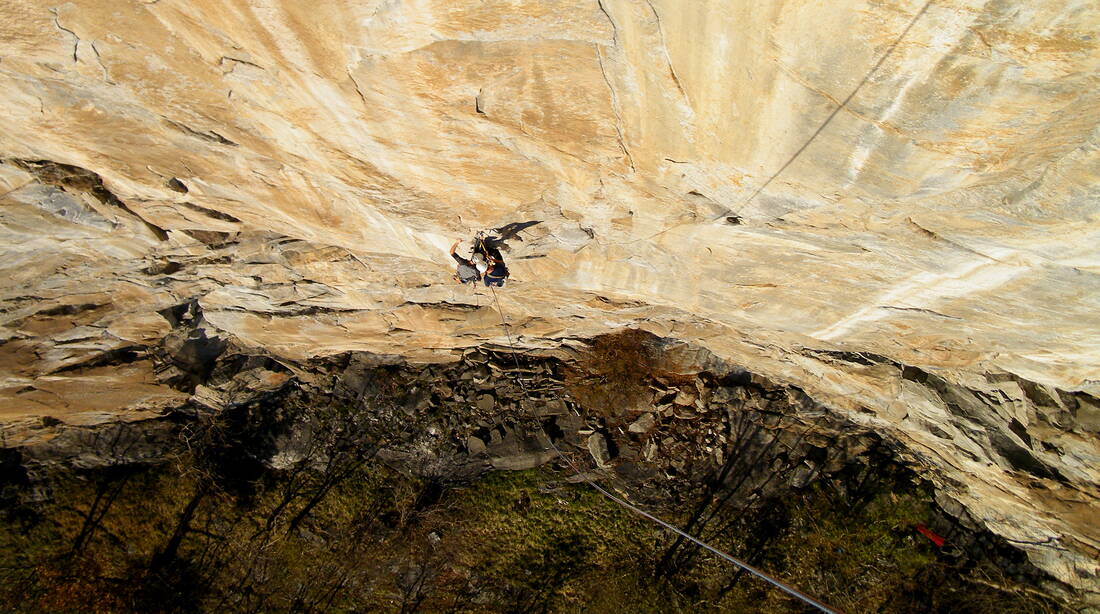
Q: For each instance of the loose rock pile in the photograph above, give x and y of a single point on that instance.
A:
(486, 412)
(718, 429)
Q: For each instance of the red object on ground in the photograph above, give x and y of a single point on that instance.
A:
(936, 539)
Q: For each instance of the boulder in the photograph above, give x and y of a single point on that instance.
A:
(597, 446)
(643, 424)
(486, 402)
(474, 445)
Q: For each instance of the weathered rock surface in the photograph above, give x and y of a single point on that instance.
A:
(892, 207)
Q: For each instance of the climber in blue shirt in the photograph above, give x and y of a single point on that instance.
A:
(496, 271)
(486, 263)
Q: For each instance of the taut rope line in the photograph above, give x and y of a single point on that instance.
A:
(790, 590)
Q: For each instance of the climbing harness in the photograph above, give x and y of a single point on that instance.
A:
(790, 590)
(495, 271)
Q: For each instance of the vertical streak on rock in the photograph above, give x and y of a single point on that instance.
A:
(615, 110)
(668, 58)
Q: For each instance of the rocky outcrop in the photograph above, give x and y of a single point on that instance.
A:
(890, 207)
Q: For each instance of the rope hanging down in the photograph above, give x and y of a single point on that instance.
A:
(842, 105)
(790, 590)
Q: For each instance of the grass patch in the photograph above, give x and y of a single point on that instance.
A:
(546, 547)
(507, 542)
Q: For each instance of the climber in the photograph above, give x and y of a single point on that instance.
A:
(486, 263)
(467, 271)
(488, 249)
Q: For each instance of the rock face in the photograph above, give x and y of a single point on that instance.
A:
(891, 206)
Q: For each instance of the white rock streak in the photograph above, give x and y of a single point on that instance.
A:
(924, 291)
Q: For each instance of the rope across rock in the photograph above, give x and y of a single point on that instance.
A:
(790, 590)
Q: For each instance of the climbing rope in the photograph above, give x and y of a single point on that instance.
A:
(790, 590)
(839, 107)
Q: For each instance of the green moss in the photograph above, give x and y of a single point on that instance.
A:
(858, 557)
(507, 542)
(551, 542)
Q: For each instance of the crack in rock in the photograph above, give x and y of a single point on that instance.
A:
(668, 57)
(615, 109)
(99, 59)
(76, 41)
